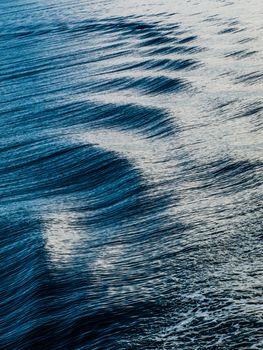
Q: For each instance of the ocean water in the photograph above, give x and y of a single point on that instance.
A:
(131, 175)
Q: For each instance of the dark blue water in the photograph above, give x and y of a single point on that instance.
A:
(131, 175)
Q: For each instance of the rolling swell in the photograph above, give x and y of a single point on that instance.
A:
(131, 175)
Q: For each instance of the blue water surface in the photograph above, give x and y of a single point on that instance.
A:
(131, 175)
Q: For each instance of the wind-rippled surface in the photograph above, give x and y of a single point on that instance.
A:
(131, 175)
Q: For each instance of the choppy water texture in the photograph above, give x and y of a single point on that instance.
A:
(131, 175)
